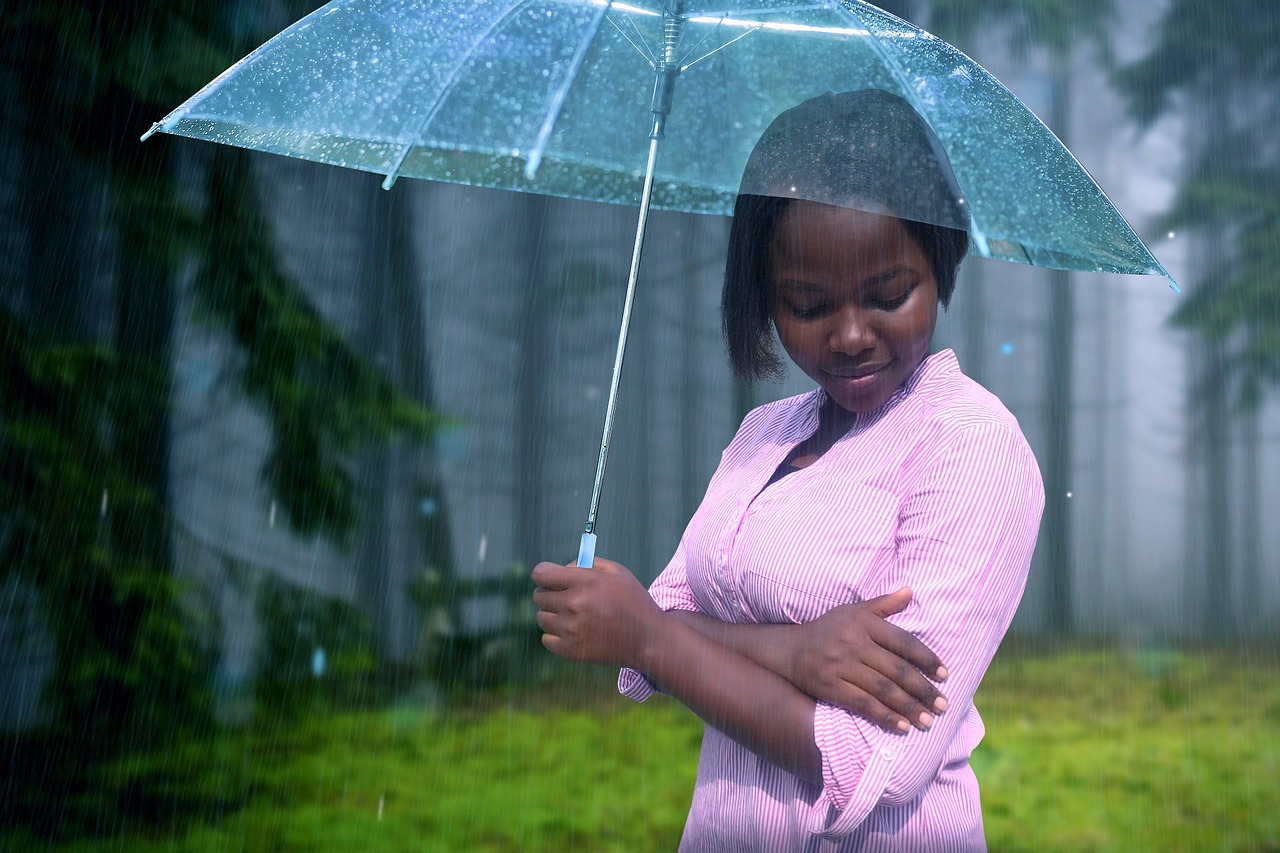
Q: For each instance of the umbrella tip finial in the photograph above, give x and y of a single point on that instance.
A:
(389, 181)
(531, 165)
(150, 132)
(979, 238)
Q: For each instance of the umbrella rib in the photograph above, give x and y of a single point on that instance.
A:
(195, 100)
(699, 42)
(444, 91)
(718, 49)
(562, 92)
(975, 231)
(644, 51)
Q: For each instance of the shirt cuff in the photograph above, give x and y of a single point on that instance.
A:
(635, 685)
(856, 768)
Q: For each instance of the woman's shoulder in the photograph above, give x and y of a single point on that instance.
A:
(955, 401)
(954, 412)
(780, 416)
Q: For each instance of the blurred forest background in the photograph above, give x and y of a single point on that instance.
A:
(278, 449)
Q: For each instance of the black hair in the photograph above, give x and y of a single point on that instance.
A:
(867, 145)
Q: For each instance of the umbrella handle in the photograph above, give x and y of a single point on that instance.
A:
(587, 551)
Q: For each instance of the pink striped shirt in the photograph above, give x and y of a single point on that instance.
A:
(938, 490)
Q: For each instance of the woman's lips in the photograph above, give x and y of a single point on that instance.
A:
(856, 379)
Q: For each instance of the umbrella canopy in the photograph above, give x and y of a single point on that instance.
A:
(571, 98)
(553, 96)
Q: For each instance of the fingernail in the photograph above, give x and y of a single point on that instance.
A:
(942, 673)
(904, 726)
(940, 704)
(926, 719)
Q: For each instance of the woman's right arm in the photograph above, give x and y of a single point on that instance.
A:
(849, 657)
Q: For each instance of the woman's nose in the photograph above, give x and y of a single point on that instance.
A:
(851, 333)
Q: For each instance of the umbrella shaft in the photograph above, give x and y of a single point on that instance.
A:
(622, 336)
(664, 85)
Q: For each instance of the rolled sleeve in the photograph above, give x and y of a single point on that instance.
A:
(966, 533)
(670, 591)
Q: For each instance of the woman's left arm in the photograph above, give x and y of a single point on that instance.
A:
(965, 538)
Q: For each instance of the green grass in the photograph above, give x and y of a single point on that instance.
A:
(1085, 750)
(1154, 751)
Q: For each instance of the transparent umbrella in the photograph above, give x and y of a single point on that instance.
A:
(575, 98)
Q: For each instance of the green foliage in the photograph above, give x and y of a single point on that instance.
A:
(115, 615)
(1085, 750)
(131, 668)
(322, 397)
(1220, 61)
(1055, 24)
(317, 652)
(1239, 308)
(461, 661)
(84, 422)
(1225, 40)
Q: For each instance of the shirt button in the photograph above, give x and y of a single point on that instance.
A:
(888, 753)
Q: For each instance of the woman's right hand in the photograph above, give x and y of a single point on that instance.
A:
(851, 657)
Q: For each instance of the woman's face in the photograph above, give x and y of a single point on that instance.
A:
(854, 300)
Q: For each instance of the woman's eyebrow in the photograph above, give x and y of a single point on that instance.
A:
(802, 286)
(887, 275)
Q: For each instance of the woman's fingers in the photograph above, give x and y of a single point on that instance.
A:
(869, 706)
(887, 605)
(906, 646)
(547, 599)
(553, 575)
(901, 686)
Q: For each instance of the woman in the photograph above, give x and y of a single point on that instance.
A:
(898, 488)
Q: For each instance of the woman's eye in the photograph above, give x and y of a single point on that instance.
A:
(891, 304)
(807, 312)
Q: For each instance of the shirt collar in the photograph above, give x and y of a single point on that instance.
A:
(928, 371)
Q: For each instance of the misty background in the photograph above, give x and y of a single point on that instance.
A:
(263, 420)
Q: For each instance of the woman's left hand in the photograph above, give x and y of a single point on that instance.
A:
(597, 615)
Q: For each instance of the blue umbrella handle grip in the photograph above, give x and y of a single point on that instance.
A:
(587, 551)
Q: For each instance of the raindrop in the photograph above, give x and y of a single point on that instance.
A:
(1171, 235)
(103, 509)
(1068, 494)
(271, 516)
(1006, 348)
(484, 546)
(317, 662)
(428, 506)
(381, 800)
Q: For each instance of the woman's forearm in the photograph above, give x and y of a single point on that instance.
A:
(730, 691)
(767, 645)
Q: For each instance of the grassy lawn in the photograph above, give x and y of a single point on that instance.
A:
(1085, 750)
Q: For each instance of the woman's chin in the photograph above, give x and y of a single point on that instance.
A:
(859, 393)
